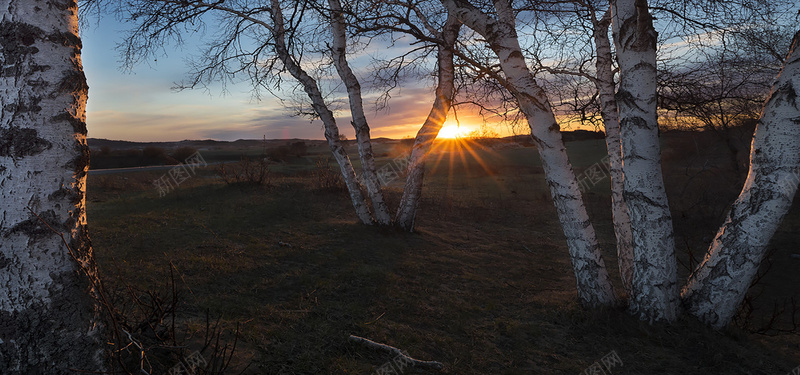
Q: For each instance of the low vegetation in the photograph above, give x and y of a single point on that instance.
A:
(484, 285)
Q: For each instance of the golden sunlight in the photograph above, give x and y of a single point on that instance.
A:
(451, 131)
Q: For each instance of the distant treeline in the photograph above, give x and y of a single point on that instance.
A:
(105, 157)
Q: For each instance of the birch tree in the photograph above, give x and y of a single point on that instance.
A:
(433, 30)
(573, 63)
(654, 284)
(593, 284)
(445, 90)
(605, 84)
(339, 52)
(259, 42)
(311, 88)
(49, 321)
(718, 285)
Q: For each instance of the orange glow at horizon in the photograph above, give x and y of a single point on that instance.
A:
(451, 130)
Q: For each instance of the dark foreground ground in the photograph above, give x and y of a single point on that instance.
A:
(284, 273)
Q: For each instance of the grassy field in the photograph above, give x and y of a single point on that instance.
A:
(484, 285)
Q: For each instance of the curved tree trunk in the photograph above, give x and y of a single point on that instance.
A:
(49, 321)
(593, 284)
(412, 192)
(610, 113)
(325, 114)
(654, 285)
(339, 51)
(718, 285)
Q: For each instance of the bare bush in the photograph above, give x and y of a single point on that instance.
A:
(325, 177)
(149, 337)
(246, 171)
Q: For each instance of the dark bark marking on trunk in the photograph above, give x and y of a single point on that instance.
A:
(64, 193)
(73, 81)
(16, 40)
(79, 163)
(785, 92)
(631, 196)
(626, 98)
(18, 142)
(78, 125)
(645, 32)
(22, 107)
(515, 55)
(15, 33)
(638, 30)
(643, 66)
(65, 39)
(634, 122)
(35, 229)
(535, 101)
(43, 349)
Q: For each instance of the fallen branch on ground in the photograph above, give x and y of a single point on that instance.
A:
(403, 357)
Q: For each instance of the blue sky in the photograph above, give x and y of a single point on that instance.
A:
(141, 106)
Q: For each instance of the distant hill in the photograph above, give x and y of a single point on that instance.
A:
(208, 144)
(204, 144)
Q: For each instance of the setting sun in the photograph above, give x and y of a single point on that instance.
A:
(451, 131)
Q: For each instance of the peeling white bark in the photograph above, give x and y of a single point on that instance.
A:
(610, 113)
(325, 114)
(412, 192)
(593, 283)
(339, 52)
(718, 285)
(654, 285)
(49, 321)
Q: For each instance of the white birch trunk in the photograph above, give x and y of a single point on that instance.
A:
(718, 285)
(593, 284)
(610, 113)
(412, 192)
(49, 321)
(325, 114)
(654, 285)
(339, 51)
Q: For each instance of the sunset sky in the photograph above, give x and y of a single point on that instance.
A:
(141, 106)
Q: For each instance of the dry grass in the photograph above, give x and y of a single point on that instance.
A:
(484, 286)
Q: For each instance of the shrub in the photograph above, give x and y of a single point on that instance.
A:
(133, 153)
(280, 153)
(151, 152)
(246, 171)
(183, 153)
(325, 177)
(299, 149)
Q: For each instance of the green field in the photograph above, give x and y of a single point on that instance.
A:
(484, 286)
